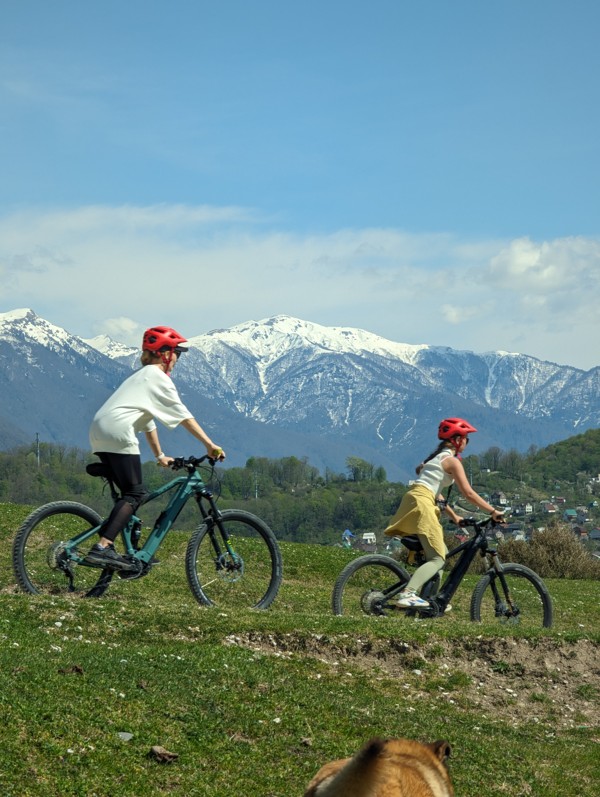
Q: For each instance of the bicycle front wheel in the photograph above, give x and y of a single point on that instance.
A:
(517, 596)
(366, 585)
(39, 560)
(248, 574)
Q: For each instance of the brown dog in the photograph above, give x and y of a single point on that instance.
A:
(387, 768)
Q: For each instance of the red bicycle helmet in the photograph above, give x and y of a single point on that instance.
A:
(163, 339)
(450, 427)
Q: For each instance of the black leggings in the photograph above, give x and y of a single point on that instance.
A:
(126, 470)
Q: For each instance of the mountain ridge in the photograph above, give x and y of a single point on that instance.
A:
(282, 386)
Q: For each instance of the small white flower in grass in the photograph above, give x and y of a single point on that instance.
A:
(58, 624)
(277, 720)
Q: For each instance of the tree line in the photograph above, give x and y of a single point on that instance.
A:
(298, 501)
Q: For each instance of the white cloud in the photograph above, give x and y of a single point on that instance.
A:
(119, 270)
(121, 329)
(559, 277)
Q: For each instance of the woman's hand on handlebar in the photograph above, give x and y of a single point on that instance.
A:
(456, 519)
(216, 453)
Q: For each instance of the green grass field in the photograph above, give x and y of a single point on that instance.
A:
(252, 703)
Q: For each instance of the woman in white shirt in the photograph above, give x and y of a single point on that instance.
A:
(146, 395)
(419, 514)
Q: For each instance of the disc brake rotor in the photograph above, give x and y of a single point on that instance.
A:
(372, 602)
(230, 567)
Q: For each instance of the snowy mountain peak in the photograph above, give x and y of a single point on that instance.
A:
(28, 325)
(16, 315)
(269, 339)
(111, 348)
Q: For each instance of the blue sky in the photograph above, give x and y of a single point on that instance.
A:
(426, 171)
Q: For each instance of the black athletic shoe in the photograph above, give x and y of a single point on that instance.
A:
(104, 557)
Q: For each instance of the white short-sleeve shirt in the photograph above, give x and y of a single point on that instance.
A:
(147, 394)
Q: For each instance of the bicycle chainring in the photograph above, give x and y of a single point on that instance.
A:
(142, 568)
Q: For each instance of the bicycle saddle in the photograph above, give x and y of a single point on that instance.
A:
(98, 469)
(412, 542)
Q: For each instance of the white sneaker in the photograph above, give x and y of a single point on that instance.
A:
(410, 600)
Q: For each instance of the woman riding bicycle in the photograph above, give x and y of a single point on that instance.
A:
(419, 514)
(147, 394)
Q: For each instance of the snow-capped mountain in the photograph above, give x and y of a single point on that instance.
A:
(106, 345)
(49, 381)
(282, 386)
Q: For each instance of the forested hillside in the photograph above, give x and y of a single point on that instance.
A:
(303, 504)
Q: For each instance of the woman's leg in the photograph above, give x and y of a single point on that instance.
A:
(433, 565)
(422, 574)
(127, 472)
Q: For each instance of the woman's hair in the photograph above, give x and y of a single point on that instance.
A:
(441, 446)
(149, 357)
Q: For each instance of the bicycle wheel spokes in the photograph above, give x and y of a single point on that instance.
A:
(364, 584)
(39, 559)
(248, 574)
(522, 601)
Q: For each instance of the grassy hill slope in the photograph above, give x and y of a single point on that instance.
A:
(253, 703)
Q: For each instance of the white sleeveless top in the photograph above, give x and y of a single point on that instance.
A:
(433, 476)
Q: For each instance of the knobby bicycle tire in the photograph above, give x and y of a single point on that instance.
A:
(359, 587)
(531, 599)
(36, 550)
(251, 578)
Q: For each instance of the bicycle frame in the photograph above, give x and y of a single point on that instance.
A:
(185, 487)
(470, 548)
(440, 599)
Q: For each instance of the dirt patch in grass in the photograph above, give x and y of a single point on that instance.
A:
(516, 680)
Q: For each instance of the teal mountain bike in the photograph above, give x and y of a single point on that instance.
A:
(232, 558)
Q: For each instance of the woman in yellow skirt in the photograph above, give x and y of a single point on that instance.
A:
(419, 514)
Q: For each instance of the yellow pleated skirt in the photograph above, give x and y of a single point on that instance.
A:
(419, 513)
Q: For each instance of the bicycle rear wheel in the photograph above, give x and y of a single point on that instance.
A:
(39, 561)
(523, 600)
(363, 585)
(250, 576)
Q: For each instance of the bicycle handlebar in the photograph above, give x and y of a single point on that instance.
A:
(190, 463)
(481, 524)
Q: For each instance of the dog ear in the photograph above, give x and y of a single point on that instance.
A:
(372, 749)
(441, 749)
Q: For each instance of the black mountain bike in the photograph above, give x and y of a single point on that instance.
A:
(508, 593)
(232, 558)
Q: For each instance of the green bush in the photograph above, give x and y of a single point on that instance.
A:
(554, 553)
